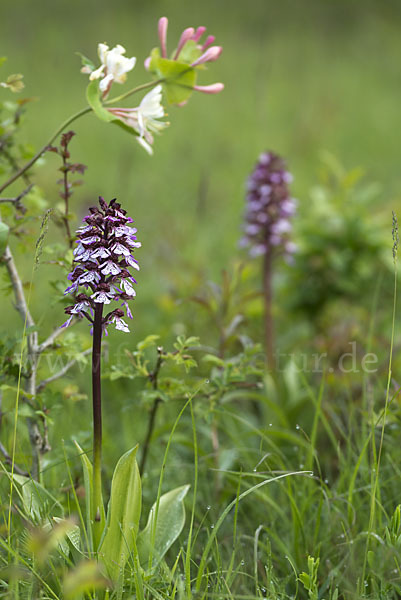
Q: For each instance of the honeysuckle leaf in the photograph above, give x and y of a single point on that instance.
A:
(88, 485)
(190, 52)
(123, 515)
(4, 231)
(154, 541)
(179, 78)
(94, 101)
(86, 62)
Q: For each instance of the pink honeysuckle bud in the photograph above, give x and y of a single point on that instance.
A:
(146, 63)
(210, 55)
(198, 33)
(209, 40)
(163, 23)
(186, 35)
(214, 88)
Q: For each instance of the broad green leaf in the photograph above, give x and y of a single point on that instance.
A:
(179, 78)
(94, 101)
(4, 231)
(123, 514)
(157, 538)
(36, 499)
(88, 484)
(62, 528)
(73, 534)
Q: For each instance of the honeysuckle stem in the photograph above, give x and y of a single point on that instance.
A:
(33, 160)
(139, 88)
(64, 125)
(97, 425)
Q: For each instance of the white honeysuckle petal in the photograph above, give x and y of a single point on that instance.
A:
(105, 82)
(97, 74)
(145, 145)
(150, 105)
(119, 65)
(102, 50)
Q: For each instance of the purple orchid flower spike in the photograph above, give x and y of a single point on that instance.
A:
(102, 259)
(268, 228)
(269, 208)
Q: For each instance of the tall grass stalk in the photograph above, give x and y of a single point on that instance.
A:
(377, 461)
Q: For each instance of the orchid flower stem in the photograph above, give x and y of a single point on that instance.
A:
(97, 424)
(268, 293)
(64, 125)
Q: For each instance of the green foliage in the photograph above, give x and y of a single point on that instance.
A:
(165, 523)
(340, 244)
(94, 101)
(123, 515)
(178, 78)
(4, 231)
(247, 427)
(309, 579)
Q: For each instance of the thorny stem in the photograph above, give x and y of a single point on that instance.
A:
(153, 378)
(97, 423)
(268, 294)
(64, 125)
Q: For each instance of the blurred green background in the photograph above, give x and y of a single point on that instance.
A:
(301, 78)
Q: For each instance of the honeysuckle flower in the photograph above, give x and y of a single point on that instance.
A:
(114, 67)
(190, 52)
(269, 208)
(104, 275)
(144, 119)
